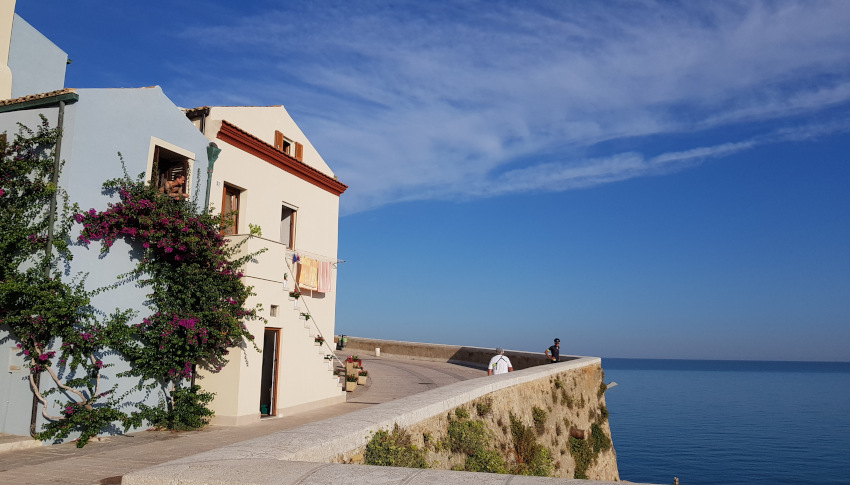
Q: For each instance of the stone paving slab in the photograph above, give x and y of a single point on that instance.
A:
(277, 472)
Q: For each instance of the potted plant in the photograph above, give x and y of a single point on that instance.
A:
(319, 340)
(295, 295)
(352, 363)
(361, 377)
(350, 383)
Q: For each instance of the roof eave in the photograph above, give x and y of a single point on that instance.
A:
(249, 143)
(68, 97)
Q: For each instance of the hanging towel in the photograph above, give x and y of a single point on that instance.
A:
(325, 277)
(308, 274)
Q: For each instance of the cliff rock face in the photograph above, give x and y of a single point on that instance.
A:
(555, 426)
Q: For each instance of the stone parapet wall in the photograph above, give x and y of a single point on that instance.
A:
(460, 354)
(566, 403)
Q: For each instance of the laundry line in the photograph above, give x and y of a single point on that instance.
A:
(312, 255)
(300, 252)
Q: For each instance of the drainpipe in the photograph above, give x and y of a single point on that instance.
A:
(48, 250)
(212, 155)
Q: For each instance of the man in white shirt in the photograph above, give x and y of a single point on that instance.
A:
(499, 364)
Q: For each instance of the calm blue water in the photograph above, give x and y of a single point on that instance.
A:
(730, 422)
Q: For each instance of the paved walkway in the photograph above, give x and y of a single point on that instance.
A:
(106, 460)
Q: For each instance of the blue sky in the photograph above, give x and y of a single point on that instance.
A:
(640, 179)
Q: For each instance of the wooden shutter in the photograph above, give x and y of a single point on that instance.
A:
(278, 140)
(230, 208)
(185, 168)
(299, 152)
(156, 176)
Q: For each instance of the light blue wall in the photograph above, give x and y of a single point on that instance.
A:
(98, 126)
(37, 64)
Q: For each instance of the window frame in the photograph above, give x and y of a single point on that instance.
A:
(155, 153)
(288, 146)
(293, 217)
(224, 212)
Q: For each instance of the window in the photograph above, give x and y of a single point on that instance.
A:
(286, 145)
(273, 311)
(287, 226)
(229, 210)
(170, 172)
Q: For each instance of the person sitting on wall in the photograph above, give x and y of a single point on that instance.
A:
(175, 188)
(499, 364)
(553, 353)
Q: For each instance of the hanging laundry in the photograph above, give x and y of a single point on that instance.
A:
(325, 277)
(295, 258)
(308, 274)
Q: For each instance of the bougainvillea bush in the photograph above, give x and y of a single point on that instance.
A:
(52, 320)
(196, 305)
(197, 298)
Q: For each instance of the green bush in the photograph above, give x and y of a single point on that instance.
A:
(539, 417)
(532, 458)
(461, 413)
(189, 411)
(598, 438)
(484, 407)
(79, 418)
(488, 461)
(465, 436)
(582, 455)
(541, 462)
(393, 448)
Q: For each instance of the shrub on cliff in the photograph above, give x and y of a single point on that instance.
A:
(393, 448)
(466, 436)
(488, 461)
(532, 458)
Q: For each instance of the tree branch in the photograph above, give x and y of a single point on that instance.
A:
(43, 401)
(59, 383)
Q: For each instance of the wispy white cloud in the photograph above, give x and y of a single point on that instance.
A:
(420, 100)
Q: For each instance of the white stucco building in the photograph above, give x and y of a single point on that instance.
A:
(273, 176)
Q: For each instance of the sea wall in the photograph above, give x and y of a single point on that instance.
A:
(570, 393)
(457, 354)
(556, 424)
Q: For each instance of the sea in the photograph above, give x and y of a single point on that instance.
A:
(730, 422)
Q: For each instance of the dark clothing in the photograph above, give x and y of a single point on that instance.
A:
(554, 352)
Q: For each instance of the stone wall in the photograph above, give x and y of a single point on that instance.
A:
(458, 354)
(567, 404)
